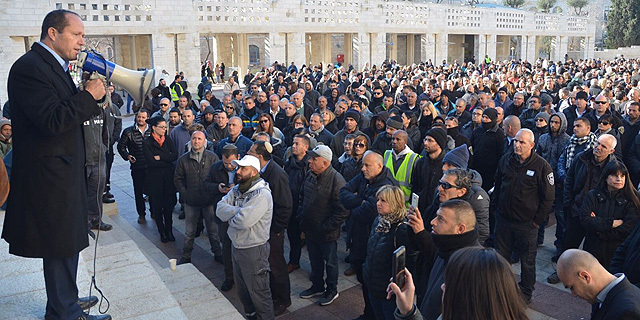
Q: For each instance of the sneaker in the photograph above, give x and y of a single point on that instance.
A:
(349, 272)
(311, 292)
(553, 278)
(251, 316)
(227, 285)
(327, 298)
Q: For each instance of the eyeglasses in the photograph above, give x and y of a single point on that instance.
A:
(446, 185)
(163, 104)
(359, 145)
(600, 102)
(606, 123)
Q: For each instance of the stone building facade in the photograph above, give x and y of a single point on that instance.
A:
(174, 35)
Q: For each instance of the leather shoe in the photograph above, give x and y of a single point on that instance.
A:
(87, 302)
(108, 200)
(94, 317)
(141, 220)
(108, 194)
(170, 236)
(183, 261)
(102, 226)
(279, 309)
(292, 267)
(163, 238)
(227, 285)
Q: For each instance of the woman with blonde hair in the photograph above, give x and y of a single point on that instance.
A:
(388, 233)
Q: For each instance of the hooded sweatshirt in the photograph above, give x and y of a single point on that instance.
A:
(551, 145)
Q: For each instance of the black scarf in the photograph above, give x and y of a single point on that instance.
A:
(447, 244)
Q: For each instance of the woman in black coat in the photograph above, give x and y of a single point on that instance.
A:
(388, 233)
(160, 154)
(610, 212)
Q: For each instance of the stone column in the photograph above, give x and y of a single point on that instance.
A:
(589, 47)
(348, 50)
(423, 47)
(531, 49)
(392, 46)
(275, 48)
(224, 51)
(430, 47)
(378, 48)
(492, 46)
(361, 50)
(442, 48)
(326, 49)
(410, 49)
(524, 47)
(296, 49)
(562, 45)
(242, 45)
(188, 45)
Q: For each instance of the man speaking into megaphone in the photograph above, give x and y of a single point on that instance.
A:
(46, 214)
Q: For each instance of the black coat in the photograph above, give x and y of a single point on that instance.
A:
(621, 303)
(487, 146)
(159, 179)
(189, 177)
(583, 175)
(626, 259)
(378, 267)
(359, 196)
(217, 175)
(425, 178)
(322, 213)
(278, 182)
(296, 170)
(601, 239)
(47, 113)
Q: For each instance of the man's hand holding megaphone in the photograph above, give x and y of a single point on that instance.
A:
(96, 87)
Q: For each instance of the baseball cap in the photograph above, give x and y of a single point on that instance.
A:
(321, 151)
(248, 161)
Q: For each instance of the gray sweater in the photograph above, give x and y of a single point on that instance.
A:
(249, 215)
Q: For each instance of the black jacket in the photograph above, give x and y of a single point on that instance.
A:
(524, 192)
(296, 170)
(425, 178)
(321, 212)
(47, 207)
(359, 196)
(130, 143)
(189, 177)
(378, 267)
(583, 175)
(217, 175)
(487, 150)
(159, 179)
(621, 303)
(350, 168)
(626, 259)
(571, 115)
(282, 203)
(324, 136)
(601, 239)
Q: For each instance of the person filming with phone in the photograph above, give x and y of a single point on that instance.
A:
(453, 228)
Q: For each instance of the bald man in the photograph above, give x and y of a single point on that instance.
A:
(510, 126)
(611, 296)
(359, 196)
(524, 195)
(401, 161)
(188, 179)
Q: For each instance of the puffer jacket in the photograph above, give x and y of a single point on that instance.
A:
(551, 147)
(130, 143)
(350, 168)
(378, 266)
(583, 175)
(359, 196)
(321, 212)
(601, 238)
(249, 215)
(190, 175)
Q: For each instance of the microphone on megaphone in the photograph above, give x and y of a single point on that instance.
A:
(137, 83)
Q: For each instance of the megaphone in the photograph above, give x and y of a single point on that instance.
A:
(137, 83)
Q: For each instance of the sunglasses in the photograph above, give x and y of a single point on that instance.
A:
(446, 185)
(264, 121)
(377, 92)
(600, 102)
(359, 145)
(163, 104)
(540, 120)
(606, 123)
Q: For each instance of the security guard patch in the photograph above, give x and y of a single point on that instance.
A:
(550, 178)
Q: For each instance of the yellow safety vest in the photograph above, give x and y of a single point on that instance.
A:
(174, 94)
(403, 174)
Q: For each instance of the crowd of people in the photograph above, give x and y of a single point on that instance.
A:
(436, 158)
(447, 160)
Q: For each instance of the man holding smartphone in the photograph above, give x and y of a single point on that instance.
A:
(130, 149)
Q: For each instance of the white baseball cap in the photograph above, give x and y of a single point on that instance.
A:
(248, 161)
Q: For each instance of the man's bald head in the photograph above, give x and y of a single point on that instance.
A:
(511, 125)
(372, 164)
(581, 273)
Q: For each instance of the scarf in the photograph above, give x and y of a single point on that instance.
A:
(245, 186)
(157, 138)
(589, 139)
(384, 224)
(317, 132)
(447, 244)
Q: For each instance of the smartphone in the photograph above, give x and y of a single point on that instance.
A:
(398, 266)
(414, 200)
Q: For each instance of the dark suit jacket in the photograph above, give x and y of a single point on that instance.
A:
(282, 203)
(622, 303)
(47, 208)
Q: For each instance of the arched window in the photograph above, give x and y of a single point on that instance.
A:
(254, 54)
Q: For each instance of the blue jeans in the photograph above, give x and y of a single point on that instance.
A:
(382, 308)
(321, 255)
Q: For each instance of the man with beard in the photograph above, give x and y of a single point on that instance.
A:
(487, 144)
(317, 130)
(248, 208)
(351, 119)
(517, 107)
(382, 142)
(460, 112)
(175, 119)
(428, 169)
(180, 134)
(164, 90)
